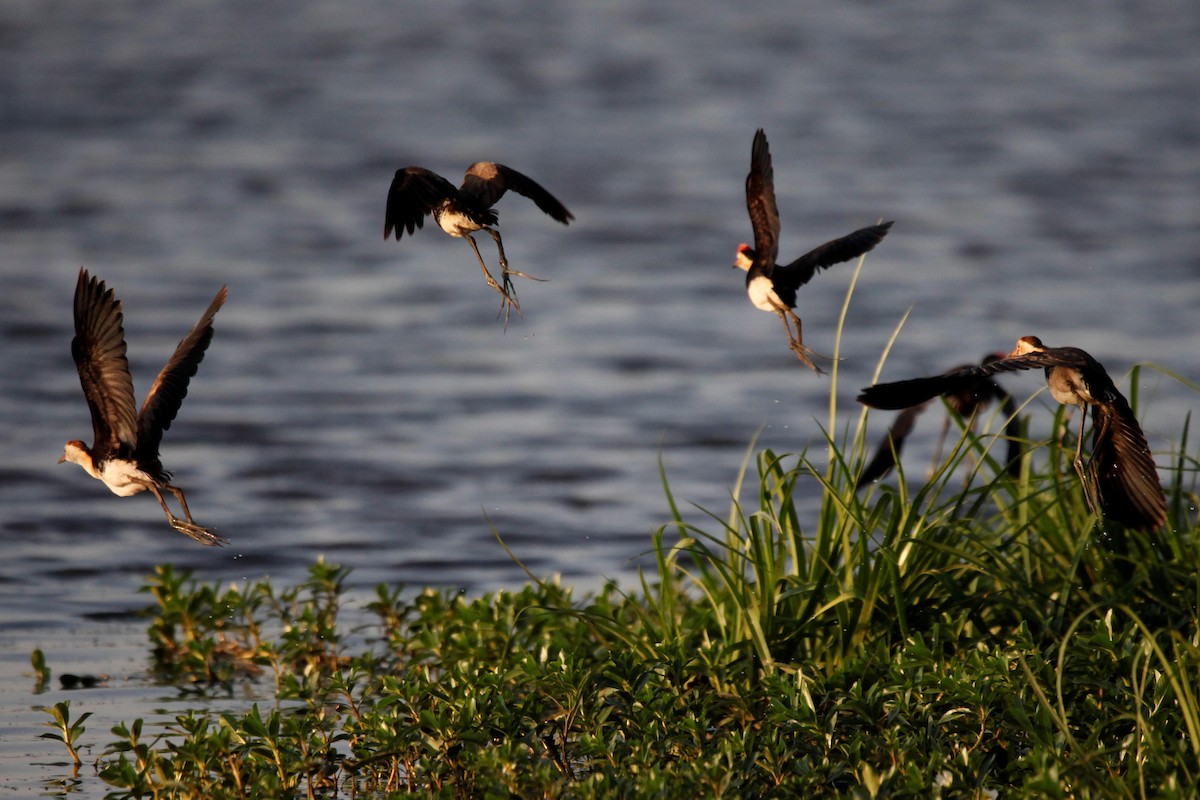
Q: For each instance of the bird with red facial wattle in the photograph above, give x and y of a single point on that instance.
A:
(772, 287)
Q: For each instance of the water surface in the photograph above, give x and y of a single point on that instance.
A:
(361, 401)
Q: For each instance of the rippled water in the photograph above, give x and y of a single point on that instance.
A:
(360, 400)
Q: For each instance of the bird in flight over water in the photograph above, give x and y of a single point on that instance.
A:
(416, 193)
(1120, 476)
(124, 451)
(772, 287)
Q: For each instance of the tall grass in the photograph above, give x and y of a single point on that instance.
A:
(971, 550)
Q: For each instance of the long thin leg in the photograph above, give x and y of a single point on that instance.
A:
(508, 295)
(505, 272)
(487, 275)
(1085, 474)
(495, 234)
(175, 490)
(796, 342)
(188, 527)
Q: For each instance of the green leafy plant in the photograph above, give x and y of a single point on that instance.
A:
(66, 730)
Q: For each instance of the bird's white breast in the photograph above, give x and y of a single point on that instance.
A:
(454, 222)
(1067, 388)
(762, 294)
(121, 478)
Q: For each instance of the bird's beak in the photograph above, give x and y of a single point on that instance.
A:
(62, 458)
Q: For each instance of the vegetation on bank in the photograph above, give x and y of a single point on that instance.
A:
(992, 639)
(979, 635)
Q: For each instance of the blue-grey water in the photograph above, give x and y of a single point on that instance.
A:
(361, 401)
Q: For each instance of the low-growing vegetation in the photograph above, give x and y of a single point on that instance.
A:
(979, 635)
(990, 640)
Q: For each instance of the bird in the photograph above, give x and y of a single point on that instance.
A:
(124, 452)
(1121, 469)
(966, 401)
(417, 192)
(772, 287)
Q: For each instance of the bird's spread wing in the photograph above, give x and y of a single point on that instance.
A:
(99, 352)
(760, 202)
(488, 181)
(966, 391)
(1041, 359)
(848, 247)
(1129, 487)
(414, 193)
(170, 387)
(904, 394)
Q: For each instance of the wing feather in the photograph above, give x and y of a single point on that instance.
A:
(99, 352)
(487, 181)
(836, 251)
(170, 387)
(1129, 487)
(760, 202)
(414, 193)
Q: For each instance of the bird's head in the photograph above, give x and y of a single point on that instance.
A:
(76, 452)
(744, 258)
(1026, 345)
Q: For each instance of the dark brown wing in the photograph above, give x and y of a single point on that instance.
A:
(966, 393)
(99, 352)
(487, 181)
(1056, 357)
(1129, 488)
(889, 449)
(848, 247)
(414, 193)
(905, 394)
(170, 387)
(902, 394)
(760, 202)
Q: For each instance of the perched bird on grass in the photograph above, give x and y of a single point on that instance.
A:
(1120, 476)
(124, 451)
(772, 287)
(416, 193)
(965, 400)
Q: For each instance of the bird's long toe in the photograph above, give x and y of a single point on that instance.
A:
(508, 300)
(519, 274)
(202, 535)
(805, 355)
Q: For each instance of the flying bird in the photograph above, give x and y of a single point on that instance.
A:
(1122, 469)
(124, 451)
(965, 400)
(417, 192)
(772, 287)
